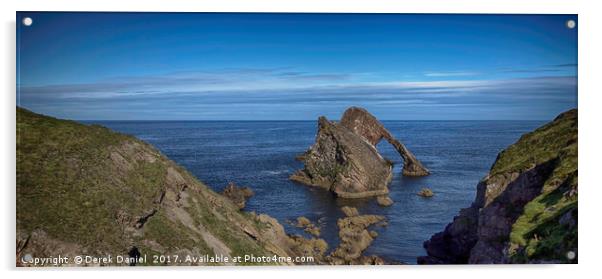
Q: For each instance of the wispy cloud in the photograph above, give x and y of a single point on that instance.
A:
(559, 69)
(571, 65)
(554, 68)
(283, 93)
(216, 80)
(451, 74)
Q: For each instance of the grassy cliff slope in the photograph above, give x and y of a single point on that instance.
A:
(525, 210)
(88, 190)
(547, 227)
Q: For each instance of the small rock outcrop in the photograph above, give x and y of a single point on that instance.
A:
(525, 210)
(350, 211)
(307, 226)
(355, 238)
(344, 158)
(384, 201)
(426, 192)
(238, 195)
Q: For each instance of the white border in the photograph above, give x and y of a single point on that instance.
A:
(589, 112)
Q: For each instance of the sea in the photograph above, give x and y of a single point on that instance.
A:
(261, 155)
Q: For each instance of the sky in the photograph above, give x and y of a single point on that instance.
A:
(262, 66)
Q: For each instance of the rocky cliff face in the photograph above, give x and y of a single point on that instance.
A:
(85, 190)
(525, 210)
(344, 158)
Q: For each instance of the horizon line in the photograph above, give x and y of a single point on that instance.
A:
(279, 120)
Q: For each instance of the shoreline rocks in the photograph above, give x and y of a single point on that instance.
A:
(355, 238)
(307, 226)
(350, 211)
(281, 243)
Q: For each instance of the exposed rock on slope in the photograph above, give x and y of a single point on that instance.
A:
(85, 190)
(238, 195)
(344, 158)
(362, 123)
(525, 210)
(275, 237)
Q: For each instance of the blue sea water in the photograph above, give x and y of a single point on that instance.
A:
(261, 155)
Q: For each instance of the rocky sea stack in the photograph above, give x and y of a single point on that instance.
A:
(344, 158)
(364, 124)
(525, 210)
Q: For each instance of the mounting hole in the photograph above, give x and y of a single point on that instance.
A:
(27, 258)
(571, 255)
(570, 24)
(27, 21)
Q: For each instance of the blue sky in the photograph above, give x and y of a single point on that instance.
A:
(202, 66)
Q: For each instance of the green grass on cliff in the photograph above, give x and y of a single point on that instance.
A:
(60, 185)
(536, 234)
(542, 145)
